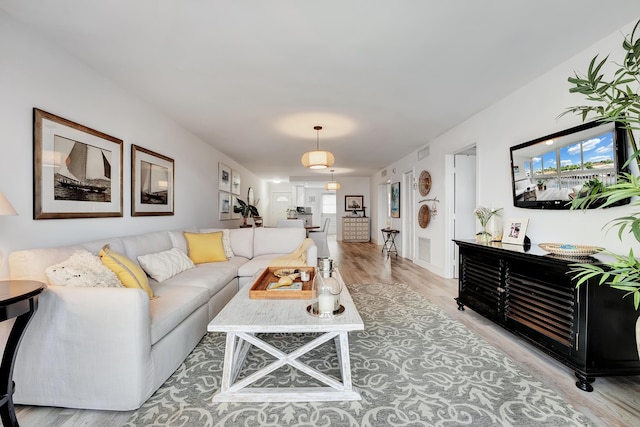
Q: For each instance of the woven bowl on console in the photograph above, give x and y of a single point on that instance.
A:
(570, 250)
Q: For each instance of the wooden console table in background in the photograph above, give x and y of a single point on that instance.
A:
(19, 299)
(590, 329)
(355, 229)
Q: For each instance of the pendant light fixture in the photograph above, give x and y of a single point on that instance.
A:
(317, 159)
(332, 185)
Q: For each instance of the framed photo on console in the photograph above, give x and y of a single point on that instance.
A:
(77, 171)
(151, 183)
(515, 230)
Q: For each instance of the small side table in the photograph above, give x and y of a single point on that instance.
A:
(19, 299)
(389, 245)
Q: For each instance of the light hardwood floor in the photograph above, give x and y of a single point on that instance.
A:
(614, 402)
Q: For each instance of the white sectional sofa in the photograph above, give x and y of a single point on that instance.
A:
(110, 347)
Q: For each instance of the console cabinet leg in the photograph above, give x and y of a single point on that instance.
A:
(584, 382)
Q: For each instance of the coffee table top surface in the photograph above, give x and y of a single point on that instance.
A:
(243, 314)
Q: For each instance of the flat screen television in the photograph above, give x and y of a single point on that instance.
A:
(549, 172)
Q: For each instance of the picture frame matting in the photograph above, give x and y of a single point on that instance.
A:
(353, 203)
(224, 177)
(77, 171)
(152, 183)
(515, 230)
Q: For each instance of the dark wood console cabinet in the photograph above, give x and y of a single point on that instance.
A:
(591, 329)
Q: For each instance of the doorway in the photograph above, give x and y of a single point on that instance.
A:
(328, 209)
(280, 202)
(407, 212)
(462, 174)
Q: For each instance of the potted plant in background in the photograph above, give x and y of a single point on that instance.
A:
(246, 210)
(484, 215)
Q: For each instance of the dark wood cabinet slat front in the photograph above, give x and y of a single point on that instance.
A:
(591, 329)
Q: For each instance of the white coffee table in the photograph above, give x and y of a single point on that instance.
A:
(242, 318)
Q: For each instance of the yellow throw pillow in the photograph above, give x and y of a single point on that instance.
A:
(205, 247)
(129, 273)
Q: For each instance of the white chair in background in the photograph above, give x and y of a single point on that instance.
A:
(325, 226)
(320, 238)
(282, 223)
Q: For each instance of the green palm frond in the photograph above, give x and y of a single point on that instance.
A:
(613, 99)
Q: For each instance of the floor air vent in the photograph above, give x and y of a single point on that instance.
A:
(424, 249)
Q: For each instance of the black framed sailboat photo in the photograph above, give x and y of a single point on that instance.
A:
(152, 183)
(77, 170)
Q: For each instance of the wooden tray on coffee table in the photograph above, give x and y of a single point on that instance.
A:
(270, 275)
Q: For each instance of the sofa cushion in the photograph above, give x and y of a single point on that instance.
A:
(241, 240)
(178, 240)
(251, 267)
(205, 247)
(147, 243)
(165, 264)
(277, 240)
(210, 276)
(175, 304)
(128, 271)
(31, 264)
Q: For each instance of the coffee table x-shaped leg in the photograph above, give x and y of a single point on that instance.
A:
(237, 347)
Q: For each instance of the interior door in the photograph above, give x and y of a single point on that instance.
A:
(464, 188)
(407, 213)
(328, 210)
(280, 202)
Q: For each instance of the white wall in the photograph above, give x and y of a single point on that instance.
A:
(526, 114)
(352, 186)
(34, 73)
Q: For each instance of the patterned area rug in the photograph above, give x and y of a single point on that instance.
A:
(413, 366)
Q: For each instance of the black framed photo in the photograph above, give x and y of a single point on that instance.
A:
(152, 183)
(353, 203)
(77, 171)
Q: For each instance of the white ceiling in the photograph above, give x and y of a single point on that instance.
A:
(383, 77)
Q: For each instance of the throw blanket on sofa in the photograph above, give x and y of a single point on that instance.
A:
(297, 258)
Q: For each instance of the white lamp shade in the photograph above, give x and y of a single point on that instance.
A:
(5, 206)
(332, 185)
(317, 159)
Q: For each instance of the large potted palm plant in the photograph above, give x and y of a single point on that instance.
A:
(614, 98)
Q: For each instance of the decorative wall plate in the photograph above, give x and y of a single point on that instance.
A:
(424, 216)
(424, 183)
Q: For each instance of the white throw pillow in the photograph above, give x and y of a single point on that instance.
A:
(226, 243)
(163, 265)
(82, 268)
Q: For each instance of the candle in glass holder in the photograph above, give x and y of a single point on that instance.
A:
(326, 303)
